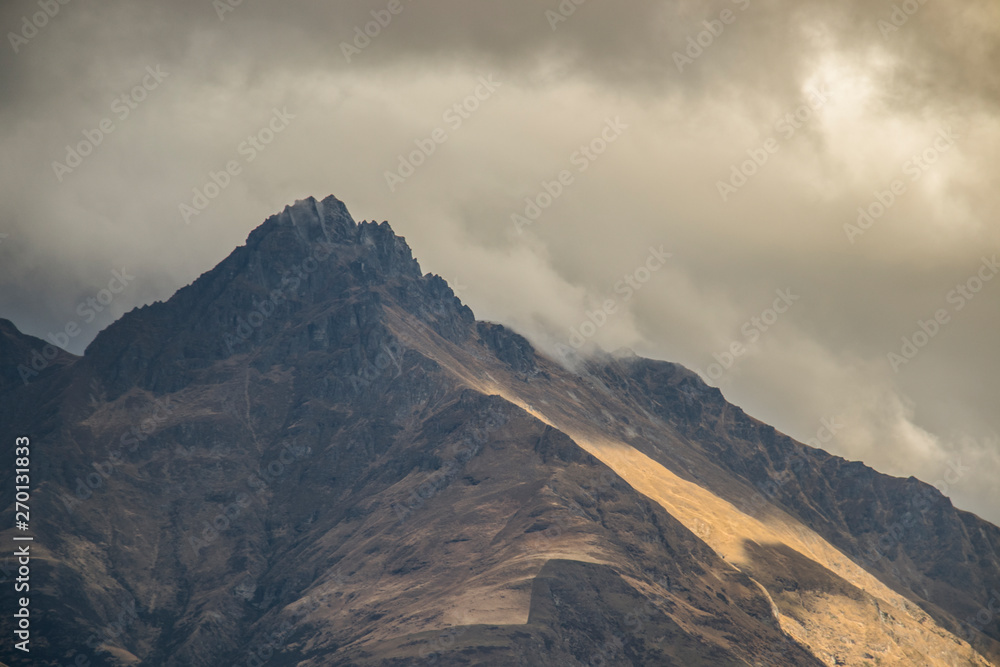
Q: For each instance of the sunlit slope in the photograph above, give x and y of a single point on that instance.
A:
(838, 610)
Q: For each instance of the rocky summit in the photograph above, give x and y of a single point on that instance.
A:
(315, 455)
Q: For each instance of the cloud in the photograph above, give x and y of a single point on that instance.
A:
(840, 105)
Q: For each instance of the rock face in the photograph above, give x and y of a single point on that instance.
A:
(314, 455)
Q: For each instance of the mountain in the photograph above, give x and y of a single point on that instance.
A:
(315, 455)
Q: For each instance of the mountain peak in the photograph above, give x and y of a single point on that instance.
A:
(314, 220)
(296, 268)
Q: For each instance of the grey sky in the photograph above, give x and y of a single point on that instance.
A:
(870, 98)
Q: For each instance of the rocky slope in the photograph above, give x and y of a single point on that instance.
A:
(314, 455)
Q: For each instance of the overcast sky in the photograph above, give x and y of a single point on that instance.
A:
(743, 146)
